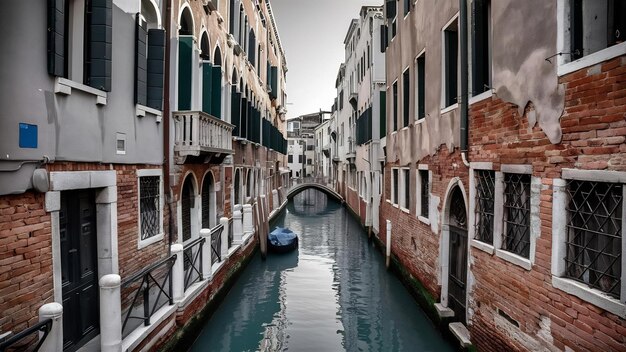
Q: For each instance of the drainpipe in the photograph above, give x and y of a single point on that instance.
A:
(464, 82)
(166, 126)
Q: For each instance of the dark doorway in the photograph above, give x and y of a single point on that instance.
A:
(79, 268)
(187, 199)
(457, 276)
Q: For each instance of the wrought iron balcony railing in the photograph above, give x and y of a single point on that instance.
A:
(200, 134)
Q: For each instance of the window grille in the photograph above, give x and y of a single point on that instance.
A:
(594, 235)
(485, 185)
(517, 214)
(424, 197)
(150, 209)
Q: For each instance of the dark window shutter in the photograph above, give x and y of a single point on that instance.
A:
(236, 112)
(576, 29)
(252, 48)
(274, 83)
(216, 92)
(406, 97)
(390, 7)
(383, 114)
(233, 14)
(250, 123)
(141, 62)
(451, 62)
(383, 38)
(207, 84)
(185, 49)
(100, 44)
(244, 118)
(56, 38)
(421, 87)
(480, 49)
(156, 68)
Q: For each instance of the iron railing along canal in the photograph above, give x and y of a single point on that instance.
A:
(12, 342)
(193, 262)
(216, 244)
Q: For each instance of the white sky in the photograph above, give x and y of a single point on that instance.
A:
(312, 33)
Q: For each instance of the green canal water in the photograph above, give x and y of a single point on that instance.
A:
(333, 294)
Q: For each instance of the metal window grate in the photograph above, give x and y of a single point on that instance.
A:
(424, 198)
(517, 214)
(485, 185)
(149, 206)
(594, 235)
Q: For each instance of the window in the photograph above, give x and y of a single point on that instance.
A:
(516, 234)
(383, 114)
(407, 7)
(395, 106)
(406, 97)
(406, 185)
(309, 161)
(290, 158)
(420, 86)
(300, 159)
(150, 204)
(390, 7)
(481, 46)
(596, 25)
(485, 189)
(341, 100)
(423, 193)
(394, 186)
(310, 147)
(594, 235)
(450, 64)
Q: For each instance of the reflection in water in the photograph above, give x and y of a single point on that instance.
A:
(333, 294)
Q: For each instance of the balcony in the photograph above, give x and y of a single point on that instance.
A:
(351, 154)
(201, 138)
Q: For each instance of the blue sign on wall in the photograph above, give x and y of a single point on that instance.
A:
(28, 135)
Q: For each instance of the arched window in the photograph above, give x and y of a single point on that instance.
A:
(209, 210)
(249, 183)
(149, 57)
(235, 103)
(187, 208)
(216, 84)
(185, 59)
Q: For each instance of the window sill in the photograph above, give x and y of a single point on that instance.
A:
(423, 219)
(142, 110)
(449, 108)
(152, 240)
(404, 128)
(480, 97)
(64, 86)
(592, 59)
(514, 259)
(485, 247)
(405, 210)
(420, 120)
(590, 295)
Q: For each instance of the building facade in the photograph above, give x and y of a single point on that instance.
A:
(144, 149)
(504, 172)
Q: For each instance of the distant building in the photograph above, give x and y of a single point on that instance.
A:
(301, 133)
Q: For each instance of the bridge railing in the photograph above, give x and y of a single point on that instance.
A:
(320, 180)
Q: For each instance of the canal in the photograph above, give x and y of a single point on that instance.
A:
(333, 294)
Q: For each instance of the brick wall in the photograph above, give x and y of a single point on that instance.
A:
(594, 131)
(25, 260)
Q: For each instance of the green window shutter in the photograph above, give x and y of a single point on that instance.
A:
(185, 49)
(383, 114)
(257, 125)
(99, 44)
(274, 82)
(236, 113)
(216, 92)
(250, 121)
(156, 68)
(56, 38)
(451, 66)
(141, 62)
(207, 84)
(252, 48)
(383, 38)
(244, 118)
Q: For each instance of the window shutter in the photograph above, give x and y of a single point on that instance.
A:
(383, 38)
(274, 83)
(156, 68)
(216, 92)
(207, 84)
(236, 113)
(479, 45)
(185, 49)
(252, 48)
(421, 87)
(141, 62)
(243, 130)
(99, 46)
(56, 38)
(383, 114)
(390, 7)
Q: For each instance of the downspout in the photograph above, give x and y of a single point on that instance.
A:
(166, 127)
(464, 106)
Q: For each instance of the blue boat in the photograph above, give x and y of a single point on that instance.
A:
(282, 240)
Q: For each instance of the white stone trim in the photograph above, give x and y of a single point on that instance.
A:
(444, 108)
(480, 97)
(139, 335)
(592, 59)
(418, 193)
(471, 230)
(69, 180)
(514, 258)
(422, 166)
(447, 109)
(485, 247)
(142, 110)
(560, 200)
(159, 236)
(516, 169)
(481, 165)
(64, 86)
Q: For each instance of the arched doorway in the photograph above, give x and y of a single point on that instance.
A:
(188, 213)
(457, 254)
(237, 186)
(209, 211)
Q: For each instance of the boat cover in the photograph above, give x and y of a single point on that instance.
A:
(282, 236)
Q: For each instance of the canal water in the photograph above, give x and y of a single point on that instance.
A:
(333, 294)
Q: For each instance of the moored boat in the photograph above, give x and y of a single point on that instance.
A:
(282, 240)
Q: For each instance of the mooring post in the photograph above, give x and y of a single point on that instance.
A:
(262, 229)
(388, 244)
(54, 340)
(110, 313)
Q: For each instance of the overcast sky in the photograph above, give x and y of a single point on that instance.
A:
(312, 33)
